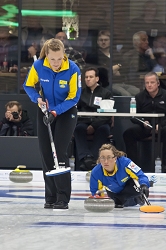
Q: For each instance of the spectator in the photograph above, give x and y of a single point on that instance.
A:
(151, 100)
(139, 60)
(148, 22)
(160, 66)
(90, 99)
(16, 121)
(116, 172)
(159, 44)
(101, 58)
(71, 53)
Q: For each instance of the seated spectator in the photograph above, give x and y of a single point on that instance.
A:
(159, 44)
(99, 127)
(101, 59)
(151, 100)
(160, 67)
(139, 60)
(147, 21)
(16, 121)
(160, 62)
(71, 53)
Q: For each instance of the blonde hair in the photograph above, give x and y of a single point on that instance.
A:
(53, 44)
(115, 151)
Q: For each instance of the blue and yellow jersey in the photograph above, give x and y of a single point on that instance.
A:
(115, 182)
(61, 88)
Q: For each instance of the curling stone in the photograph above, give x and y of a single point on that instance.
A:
(20, 176)
(99, 204)
(88, 176)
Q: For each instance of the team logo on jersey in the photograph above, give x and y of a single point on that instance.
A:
(62, 84)
(133, 167)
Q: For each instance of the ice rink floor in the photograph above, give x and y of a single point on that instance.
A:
(26, 225)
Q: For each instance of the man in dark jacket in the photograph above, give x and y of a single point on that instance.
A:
(151, 100)
(99, 127)
(16, 121)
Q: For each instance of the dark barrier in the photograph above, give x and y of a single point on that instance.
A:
(20, 150)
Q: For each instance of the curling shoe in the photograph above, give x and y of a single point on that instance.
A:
(49, 205)
(119, 206)
(60, 205)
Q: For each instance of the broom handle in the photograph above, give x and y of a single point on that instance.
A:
(138, 185)
(52, 144)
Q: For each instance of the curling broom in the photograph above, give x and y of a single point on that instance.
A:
(57, 170)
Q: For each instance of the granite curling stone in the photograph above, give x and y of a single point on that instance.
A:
(99, 204)
(20, 175)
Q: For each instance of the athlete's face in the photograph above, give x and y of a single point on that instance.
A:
(55, 58)
(107, 160)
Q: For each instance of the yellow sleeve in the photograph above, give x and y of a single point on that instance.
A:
(73, 86)
(32, 78)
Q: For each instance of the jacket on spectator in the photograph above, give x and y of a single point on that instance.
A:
(147, 104)
(22, 128)
(75, 56)
(90, 102)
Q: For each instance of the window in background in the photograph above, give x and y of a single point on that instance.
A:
(133, 55)
(8, 47)
(143, 29)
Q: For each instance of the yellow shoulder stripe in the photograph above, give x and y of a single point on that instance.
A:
(32, 78)
(131, 174)
(73, 86)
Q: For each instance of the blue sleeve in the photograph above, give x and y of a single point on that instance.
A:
(95, 179)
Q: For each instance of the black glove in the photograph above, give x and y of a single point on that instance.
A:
(50, 119)
(145, 190)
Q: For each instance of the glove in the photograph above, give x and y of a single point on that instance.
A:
(50, 119)
(145, 190)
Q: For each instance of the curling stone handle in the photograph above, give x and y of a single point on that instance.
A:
(99, 192)
(138, 185)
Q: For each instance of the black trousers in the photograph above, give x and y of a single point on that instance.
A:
(137, 133)
(100, 137)
(57, 188)
(125, 197)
